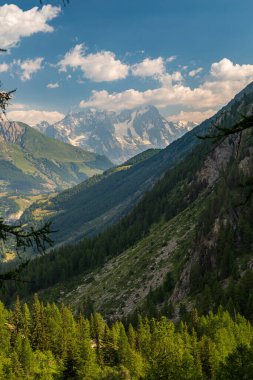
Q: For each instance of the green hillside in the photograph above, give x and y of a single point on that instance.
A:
(35, 164)
(35, 142)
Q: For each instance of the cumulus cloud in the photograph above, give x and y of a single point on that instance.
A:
(16, 23)
(227, 70)
(29, 67)
(195, 72)
(99, 67)
(33, 117)
(149, 67)
(53, 85)
(171, 59)
(196, 116)
(225, 79)
(4, 67)
(167, 79)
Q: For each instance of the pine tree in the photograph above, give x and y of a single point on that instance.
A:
(40, 339)
(87, 367)
(238, 365)
(26, 321)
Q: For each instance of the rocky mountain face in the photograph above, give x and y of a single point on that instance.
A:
(118, 136)
(11, 132)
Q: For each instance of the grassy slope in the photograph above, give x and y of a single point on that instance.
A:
(39, 163)
(35, 142)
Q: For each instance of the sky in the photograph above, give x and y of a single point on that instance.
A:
(186, 57)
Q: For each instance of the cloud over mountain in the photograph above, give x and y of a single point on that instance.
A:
(224, 80)
(33, 117)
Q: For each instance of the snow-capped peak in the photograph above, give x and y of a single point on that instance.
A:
(118, 135)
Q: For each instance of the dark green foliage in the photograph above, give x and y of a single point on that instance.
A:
(23, 238)
(142, 156)
(238, 365)
(222, 131)
(158, 297)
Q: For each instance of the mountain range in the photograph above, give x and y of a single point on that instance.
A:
(118, 136)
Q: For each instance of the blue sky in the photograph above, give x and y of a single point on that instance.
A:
(187, 57)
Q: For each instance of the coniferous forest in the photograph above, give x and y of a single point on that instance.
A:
(49, 342)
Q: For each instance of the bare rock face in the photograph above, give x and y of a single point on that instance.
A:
(216, 162)
(11, 132)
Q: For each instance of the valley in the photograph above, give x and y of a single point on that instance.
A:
(171, 240)
(33, 164)
(126, 190)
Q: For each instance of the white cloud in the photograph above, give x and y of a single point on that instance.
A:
(195, 72)
(16, 23)
(4, 67)
(156, 68)
(225, 79)
(29, 67)
(17, 106)
(167, 79)
(227, 70)
(196, 116)
(99, 67)
(171, 59)
(32, 117)
(149, 67)
(53, 85)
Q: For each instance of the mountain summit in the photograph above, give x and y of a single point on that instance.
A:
(119, 136)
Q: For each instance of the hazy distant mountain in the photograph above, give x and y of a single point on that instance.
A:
(118, 136)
